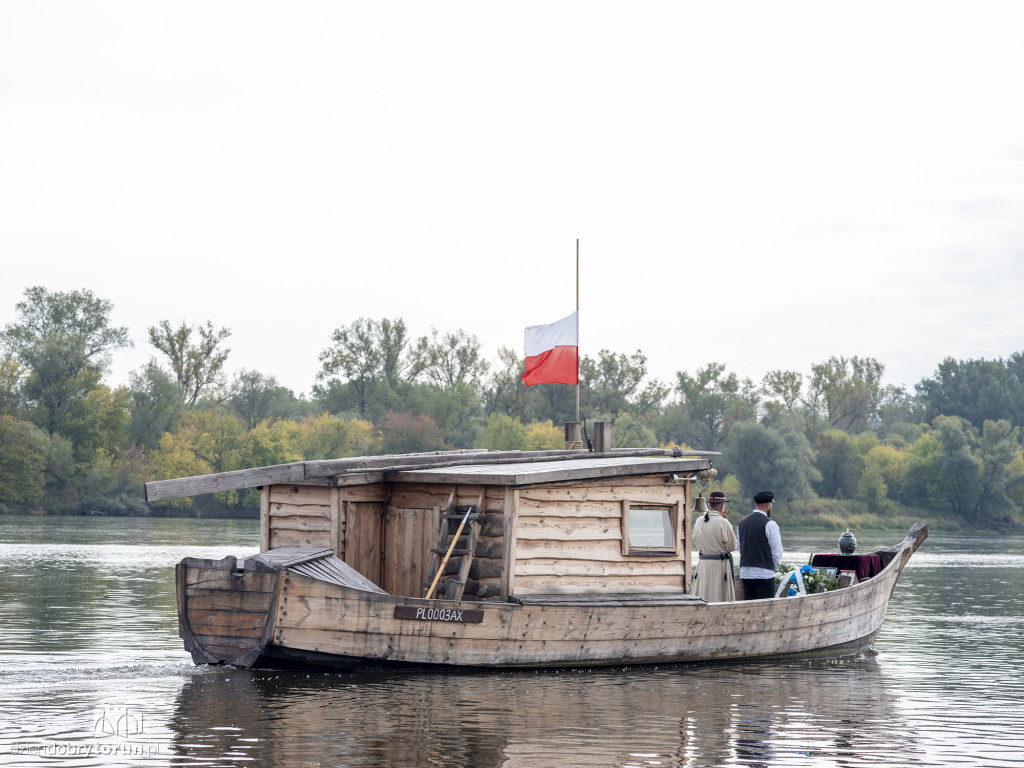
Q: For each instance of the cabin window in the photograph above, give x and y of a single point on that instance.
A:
(649, 530)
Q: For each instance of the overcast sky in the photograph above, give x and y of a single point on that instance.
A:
(758, 184)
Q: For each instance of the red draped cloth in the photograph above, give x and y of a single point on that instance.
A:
(865, 566)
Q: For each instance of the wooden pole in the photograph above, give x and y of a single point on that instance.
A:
(444, 562)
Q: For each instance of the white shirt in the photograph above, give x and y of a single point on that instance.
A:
(771, 530)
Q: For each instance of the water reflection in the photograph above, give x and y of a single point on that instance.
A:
(751, 715)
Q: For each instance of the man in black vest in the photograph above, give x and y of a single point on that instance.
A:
(760, 549)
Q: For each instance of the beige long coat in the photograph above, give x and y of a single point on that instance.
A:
(715, 581)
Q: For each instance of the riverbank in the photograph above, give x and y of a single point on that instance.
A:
(207, 512)
(841, 515)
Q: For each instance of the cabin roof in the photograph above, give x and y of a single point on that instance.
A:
(508, 468)
(532, 473)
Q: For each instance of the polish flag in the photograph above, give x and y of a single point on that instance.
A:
(552, 352)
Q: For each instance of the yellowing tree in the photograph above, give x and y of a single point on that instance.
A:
(328, 437)
(205, 442)
(544, 436)
(882, 479)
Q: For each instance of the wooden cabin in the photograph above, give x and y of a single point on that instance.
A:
(557, 522)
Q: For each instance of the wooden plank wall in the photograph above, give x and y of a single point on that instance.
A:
(486, 569)
(566, 538)
(386, 533)
(299, 516)
(569, 539)
(314, 515)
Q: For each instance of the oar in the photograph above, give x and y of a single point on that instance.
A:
(448, 554)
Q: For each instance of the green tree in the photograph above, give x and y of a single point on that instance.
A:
(786, 387)
(898, 413)
(556, 402)
(156, 406)
(976, 390)
(609, 383)
(454, 369)
(23, 449)
(921, 481)
(802, 472)
(197, 365)
(959, 469)
(376, 365)
(257, 398)
(96, 424)
(449, 359)
(64, 340)
(12, 387)
(942, 471)
(503, 433)
(997, 449)
(457, 412)
(629, 432)
(713, 401)
(762, 458)
(62, 495)
(129, 468)
(839, 464)
(848, 391)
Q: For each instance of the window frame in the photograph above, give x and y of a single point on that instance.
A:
(674, 518)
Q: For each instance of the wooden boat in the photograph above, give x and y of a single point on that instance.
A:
(528, 559)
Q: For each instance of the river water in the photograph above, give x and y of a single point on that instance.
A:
(93, 674)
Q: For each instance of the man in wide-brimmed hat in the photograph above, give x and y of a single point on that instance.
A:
(715, 541)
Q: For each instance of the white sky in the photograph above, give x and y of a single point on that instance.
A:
(758, 184)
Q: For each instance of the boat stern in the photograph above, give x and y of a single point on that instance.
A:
(225, 613)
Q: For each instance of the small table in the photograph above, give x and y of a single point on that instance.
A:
(865, 566)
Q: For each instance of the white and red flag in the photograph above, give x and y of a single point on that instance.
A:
(552, 352)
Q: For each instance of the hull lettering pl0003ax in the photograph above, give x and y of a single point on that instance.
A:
(438, 614)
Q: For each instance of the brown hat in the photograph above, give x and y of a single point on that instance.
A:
(717, 497)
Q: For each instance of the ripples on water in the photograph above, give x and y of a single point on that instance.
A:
(90, 635)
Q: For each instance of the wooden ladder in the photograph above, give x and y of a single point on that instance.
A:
(452, 588)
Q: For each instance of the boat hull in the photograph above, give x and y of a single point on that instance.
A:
(311, 621)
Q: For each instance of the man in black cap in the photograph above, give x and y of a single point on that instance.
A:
(760, 549)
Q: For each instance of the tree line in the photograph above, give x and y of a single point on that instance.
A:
(835, 438)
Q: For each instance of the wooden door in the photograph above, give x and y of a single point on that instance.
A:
(364, 538)
(409, 535)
